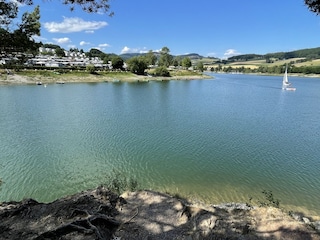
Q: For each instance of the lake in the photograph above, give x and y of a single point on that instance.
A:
(220, 140)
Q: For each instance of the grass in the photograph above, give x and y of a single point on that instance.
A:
(119, 183)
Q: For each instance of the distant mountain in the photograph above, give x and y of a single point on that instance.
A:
(126, 56)
(309, 53)
(192, 56)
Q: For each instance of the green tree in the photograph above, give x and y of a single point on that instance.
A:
(20, 39)
(8, 12)
(117, 62)
(86, 5)
(186, 62)
(313, 5)
(151, 59)
(60, 52)
(200, 66)
(176, 61)
(137, 65)
(30, 25)
(165, 57)
(161, 71)
(91, 69)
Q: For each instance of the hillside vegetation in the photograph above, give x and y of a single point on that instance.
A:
(304, 61)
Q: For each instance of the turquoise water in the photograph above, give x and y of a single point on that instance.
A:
(217, 140)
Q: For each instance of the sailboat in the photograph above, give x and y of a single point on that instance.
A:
(285, 82)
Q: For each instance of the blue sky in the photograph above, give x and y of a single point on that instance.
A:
(208, 27)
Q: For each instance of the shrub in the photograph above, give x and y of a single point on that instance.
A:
(91, 69)
(119, 183)
(161, 72)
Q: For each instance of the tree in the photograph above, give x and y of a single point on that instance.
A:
(8, 12)
(91, 69)
(165, 58)
(30, 25)
(20, 39)
(117, 62)
(137, 65)
(161, 71)
(151, 59)
(313, 5)
(186, 62)
(60, 52)
(200, 66)
(89, 6)
(176, 61)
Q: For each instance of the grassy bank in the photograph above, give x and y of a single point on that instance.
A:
(53, 76)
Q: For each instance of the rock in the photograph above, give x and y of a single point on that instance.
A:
(306, 220)
(101, 214)
(316, 225)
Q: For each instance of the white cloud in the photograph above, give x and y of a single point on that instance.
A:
(230, 53)
(125, 50)
(73, 24)
(82, 43)
(89, 31)
(133, 50)
(104, 45)
(62, 40)
(38, 38)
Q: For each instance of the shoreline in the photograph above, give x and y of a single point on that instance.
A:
(17, 79)
(102, 214)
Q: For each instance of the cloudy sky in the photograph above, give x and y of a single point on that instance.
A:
(208, 27)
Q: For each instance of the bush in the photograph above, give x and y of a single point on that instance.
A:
(91, 69)
(119, 183)
(161, 72)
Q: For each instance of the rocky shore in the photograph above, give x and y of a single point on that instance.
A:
(101, 214)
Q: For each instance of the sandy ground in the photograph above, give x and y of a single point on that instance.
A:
(100, 214)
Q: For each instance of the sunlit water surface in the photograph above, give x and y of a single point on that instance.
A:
(218, 140)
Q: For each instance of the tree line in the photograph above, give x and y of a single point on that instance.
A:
(278, 69)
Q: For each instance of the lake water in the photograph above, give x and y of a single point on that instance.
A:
(220, 140)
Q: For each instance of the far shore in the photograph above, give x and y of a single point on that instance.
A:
(39, 78)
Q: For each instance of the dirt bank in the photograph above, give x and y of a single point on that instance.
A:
(100, 214)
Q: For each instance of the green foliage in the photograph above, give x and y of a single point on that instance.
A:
(137, 65)
(30, 23)
(165, 58)
(86, 5)
(313, 5)
(186, 62)
(96, 53)
(91, 69)
(49, 45)
(270, 201)
(60, 52)
(245, 57)
(150, 58)
(19, 40)
(161, 72)
(119, 183)
(117, 62)
(8, 12)
(200, 66)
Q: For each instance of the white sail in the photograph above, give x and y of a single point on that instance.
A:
(285, 81)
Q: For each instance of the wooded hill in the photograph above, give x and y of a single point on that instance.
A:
(309, 53)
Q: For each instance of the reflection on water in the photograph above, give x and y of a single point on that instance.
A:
(217, 140)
